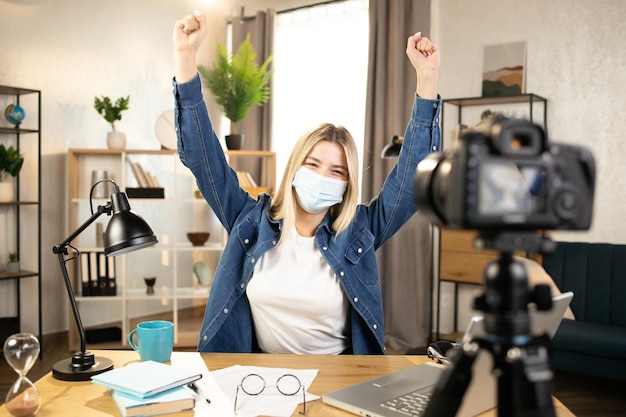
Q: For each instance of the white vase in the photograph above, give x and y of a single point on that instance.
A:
(7, 191)
(116, 140)
(203, 274)
(13, 267)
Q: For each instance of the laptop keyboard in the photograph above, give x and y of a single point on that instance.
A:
(412, 404)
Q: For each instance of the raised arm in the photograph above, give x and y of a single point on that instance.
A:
(424, 57)
(189, 32)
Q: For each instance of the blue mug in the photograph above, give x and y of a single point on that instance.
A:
(155, 340)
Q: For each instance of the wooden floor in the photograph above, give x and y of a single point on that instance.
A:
(584, 396)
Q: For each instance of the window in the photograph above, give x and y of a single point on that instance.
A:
(320, 61)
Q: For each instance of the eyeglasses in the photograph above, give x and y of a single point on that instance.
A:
(288, 384)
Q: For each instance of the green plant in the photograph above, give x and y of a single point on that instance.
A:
(237, 81)
(111, 112)
(13, 257)
(10, 162)
(487, 114)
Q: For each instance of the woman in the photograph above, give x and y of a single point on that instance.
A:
(298, 273)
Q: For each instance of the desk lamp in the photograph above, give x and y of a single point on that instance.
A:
(392, 150)
(126, 232)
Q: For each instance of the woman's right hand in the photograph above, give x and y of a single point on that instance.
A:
(189, 32)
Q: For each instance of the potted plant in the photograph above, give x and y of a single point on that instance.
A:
(238, 83)
(13, 266)
(112, 113)
(10, 165)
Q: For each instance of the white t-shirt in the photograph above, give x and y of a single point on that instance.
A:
(297, 302)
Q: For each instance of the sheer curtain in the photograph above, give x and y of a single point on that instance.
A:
(323, 57)
(320, 63)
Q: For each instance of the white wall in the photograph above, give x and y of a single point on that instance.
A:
(576, 58)
(76, 50)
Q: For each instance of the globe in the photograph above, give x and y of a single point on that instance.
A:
(14, 113)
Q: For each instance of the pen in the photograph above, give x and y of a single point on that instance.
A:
(195, 388)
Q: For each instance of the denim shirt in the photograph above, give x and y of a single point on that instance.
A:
(228, 324)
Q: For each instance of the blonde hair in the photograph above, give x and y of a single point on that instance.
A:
(284, 204)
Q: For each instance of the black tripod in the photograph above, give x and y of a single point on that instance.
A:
(520, 359)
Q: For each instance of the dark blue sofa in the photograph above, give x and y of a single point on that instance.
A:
(594, 343)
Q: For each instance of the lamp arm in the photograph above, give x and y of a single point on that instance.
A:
(70, 293)
(62, 247)
(61, 250)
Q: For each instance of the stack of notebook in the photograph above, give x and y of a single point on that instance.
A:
(149, 388)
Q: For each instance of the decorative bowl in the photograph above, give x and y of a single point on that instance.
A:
(198, 238)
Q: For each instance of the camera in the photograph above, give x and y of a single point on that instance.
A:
(504, 175)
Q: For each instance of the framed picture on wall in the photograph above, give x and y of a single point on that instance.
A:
(504, 68)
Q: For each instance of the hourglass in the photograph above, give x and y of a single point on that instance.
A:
(21, 351)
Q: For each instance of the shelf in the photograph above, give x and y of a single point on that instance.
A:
(18, 203)
(486, 101)
(23, 231)
(180, 292)
(16, 91)
(106, 151)
(14, 130)
(159, 293)
(208, 247)
(21, 274)
(205, 247)
(250, 154)
(172, 258)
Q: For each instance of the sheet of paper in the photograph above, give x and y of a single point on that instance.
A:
(221, 405)
(221, 388)
(270, 402)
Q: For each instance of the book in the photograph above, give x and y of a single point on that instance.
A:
(251, 179)
(138, 172)
(143, 379)
(153, 181)
(246, 180)
(243, 179)
(141, 175)
(171, 401)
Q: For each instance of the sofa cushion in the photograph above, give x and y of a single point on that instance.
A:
(599, 340)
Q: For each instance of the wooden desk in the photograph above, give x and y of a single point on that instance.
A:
(60, 398)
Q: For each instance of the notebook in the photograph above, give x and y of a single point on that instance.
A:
(143, 379)
(367, 398)
(171, 401)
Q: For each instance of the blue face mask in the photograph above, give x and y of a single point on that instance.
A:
(315, 192)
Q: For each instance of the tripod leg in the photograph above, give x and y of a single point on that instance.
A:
(524, 383)
(448, 394)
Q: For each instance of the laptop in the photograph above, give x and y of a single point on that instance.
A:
(377, 397)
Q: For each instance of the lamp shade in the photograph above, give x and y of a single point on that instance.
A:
(392, 150)
(127, 231)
